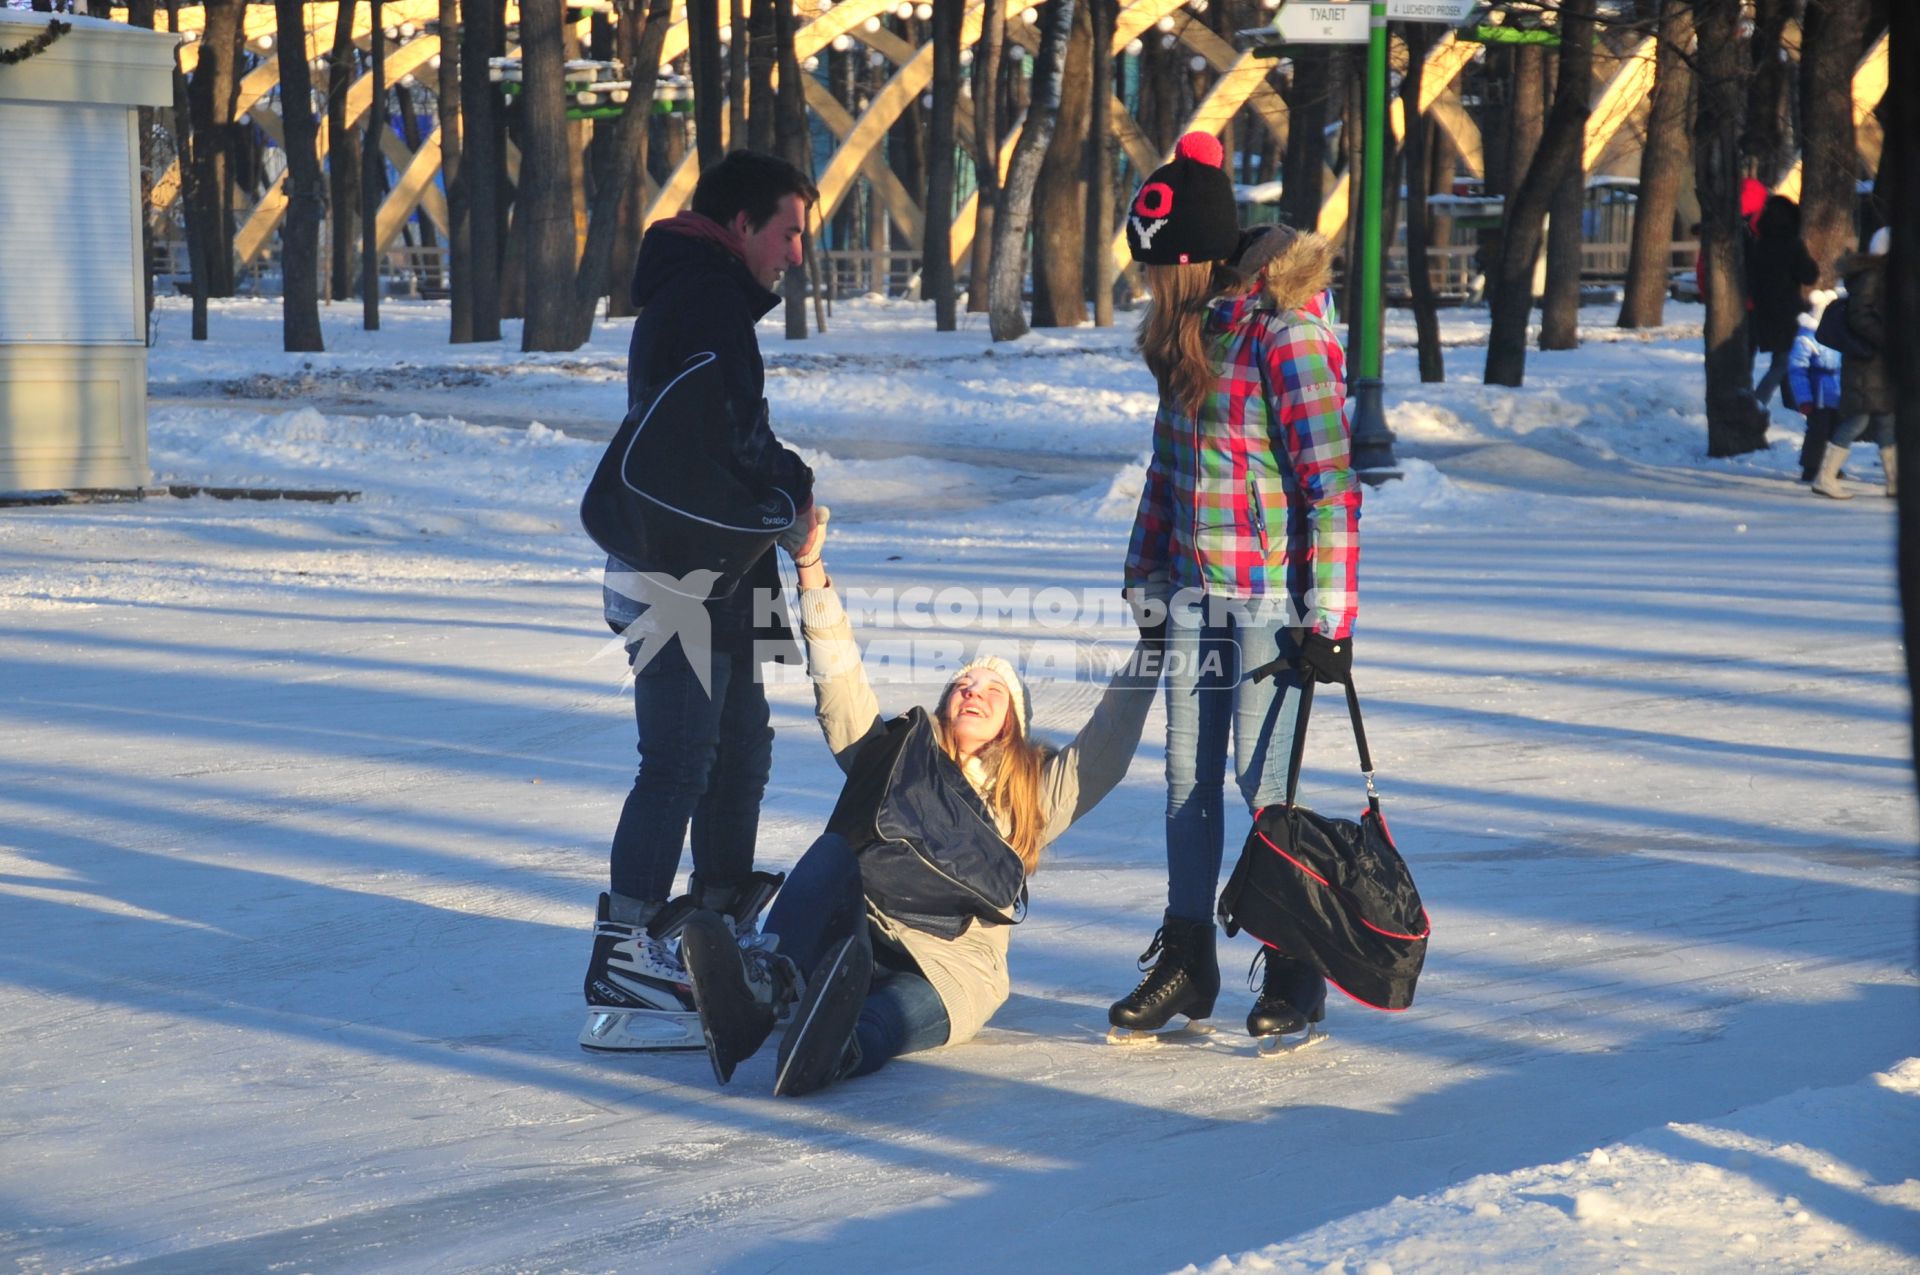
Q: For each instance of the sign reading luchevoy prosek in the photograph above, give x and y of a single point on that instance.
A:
(1451, 12)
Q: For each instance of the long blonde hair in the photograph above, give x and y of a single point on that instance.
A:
(1012, 763)
(1170, 332)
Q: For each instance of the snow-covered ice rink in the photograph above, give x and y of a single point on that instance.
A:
(305, 807)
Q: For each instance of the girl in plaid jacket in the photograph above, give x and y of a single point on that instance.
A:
(1244, 549)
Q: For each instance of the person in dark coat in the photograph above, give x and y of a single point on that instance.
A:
(1779, 272)
(703, 279)
(1866, 382)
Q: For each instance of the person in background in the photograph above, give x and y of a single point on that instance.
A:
(703, 279)
(1779, 272)
(1813, 377)
(1866, 383)
(1245, 545)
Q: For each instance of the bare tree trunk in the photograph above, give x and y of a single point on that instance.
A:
(709, 92)
(483, 159)
(186, 145)
(1766, 142)
(1100, 196)
(1303, 180)
(299, 233)
(763, 53)
(1519, 130)
(459, 235)
(640, 52)
(595, 278)
(1663, 165)
(1561, 140)
(544, 207)
(792, 142)
(1900, 117)
(737, 88)
(374, 177)
(1735, 423)
(140, 14)
(986, 145)
(1060, 202)
(343, 162)
(1426, 318)
(410, 133)
(211, 96)
(1560, 303)
(936, 266)
(1006, 319)
(1833, 35)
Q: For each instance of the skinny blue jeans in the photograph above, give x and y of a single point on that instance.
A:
(821, 904)
(704, 762)
(1208, 697)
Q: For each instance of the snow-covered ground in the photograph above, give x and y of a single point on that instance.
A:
(304, 809)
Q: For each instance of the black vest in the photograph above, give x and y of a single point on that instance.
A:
(930, 854)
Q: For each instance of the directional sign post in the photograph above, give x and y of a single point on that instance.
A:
(1333, 23)
(1451, 12)
(1372, 440)
(1364, 22)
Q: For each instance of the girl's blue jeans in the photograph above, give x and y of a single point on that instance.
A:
(822, 904)
(1210, 648)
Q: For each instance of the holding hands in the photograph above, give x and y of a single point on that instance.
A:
(807, 537)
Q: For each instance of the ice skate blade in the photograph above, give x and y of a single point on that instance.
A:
(1279, 1046)
(1136, 1038)
(619, 1031)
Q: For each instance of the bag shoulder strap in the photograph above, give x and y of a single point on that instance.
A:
(1300, 742)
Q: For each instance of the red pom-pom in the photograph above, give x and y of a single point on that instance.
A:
(1202, 148)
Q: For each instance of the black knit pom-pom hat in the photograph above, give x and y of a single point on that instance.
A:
(1185, 212)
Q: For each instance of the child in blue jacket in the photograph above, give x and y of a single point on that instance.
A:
(1813, 371)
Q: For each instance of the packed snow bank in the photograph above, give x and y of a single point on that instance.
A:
(1819, 1180)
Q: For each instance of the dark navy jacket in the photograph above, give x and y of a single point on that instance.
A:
(696, 296)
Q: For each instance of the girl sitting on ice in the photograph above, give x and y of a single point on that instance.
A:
(895, 959)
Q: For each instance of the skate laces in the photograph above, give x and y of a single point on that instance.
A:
(1255, 981)
(1154, 948)
(767, 971)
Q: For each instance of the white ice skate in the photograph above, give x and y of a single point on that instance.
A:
(638, 995)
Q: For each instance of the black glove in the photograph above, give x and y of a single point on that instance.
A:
(1326, 659)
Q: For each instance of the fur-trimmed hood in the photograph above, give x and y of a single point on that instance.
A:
(1289, 267)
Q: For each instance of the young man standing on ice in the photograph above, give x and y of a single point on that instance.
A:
(704, 278)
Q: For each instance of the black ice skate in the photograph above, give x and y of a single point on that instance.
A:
(740, 986)
(638, 996)
(1184, 980)
(1293, 998)
(818, 1047)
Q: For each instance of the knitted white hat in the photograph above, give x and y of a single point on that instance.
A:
(1003, 670)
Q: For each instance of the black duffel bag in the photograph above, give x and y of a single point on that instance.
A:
(930, 854)
(665, 498)
(1334, 893)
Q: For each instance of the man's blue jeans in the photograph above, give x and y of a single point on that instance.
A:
(821, 904)
(704, 761)
(1208, 696)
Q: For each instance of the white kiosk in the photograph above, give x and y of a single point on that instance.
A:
(73, 359)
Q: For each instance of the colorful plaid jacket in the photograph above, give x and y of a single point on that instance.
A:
(1256, 494)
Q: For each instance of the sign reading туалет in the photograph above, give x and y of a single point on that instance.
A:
(1452, 12)
(1300, 23)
